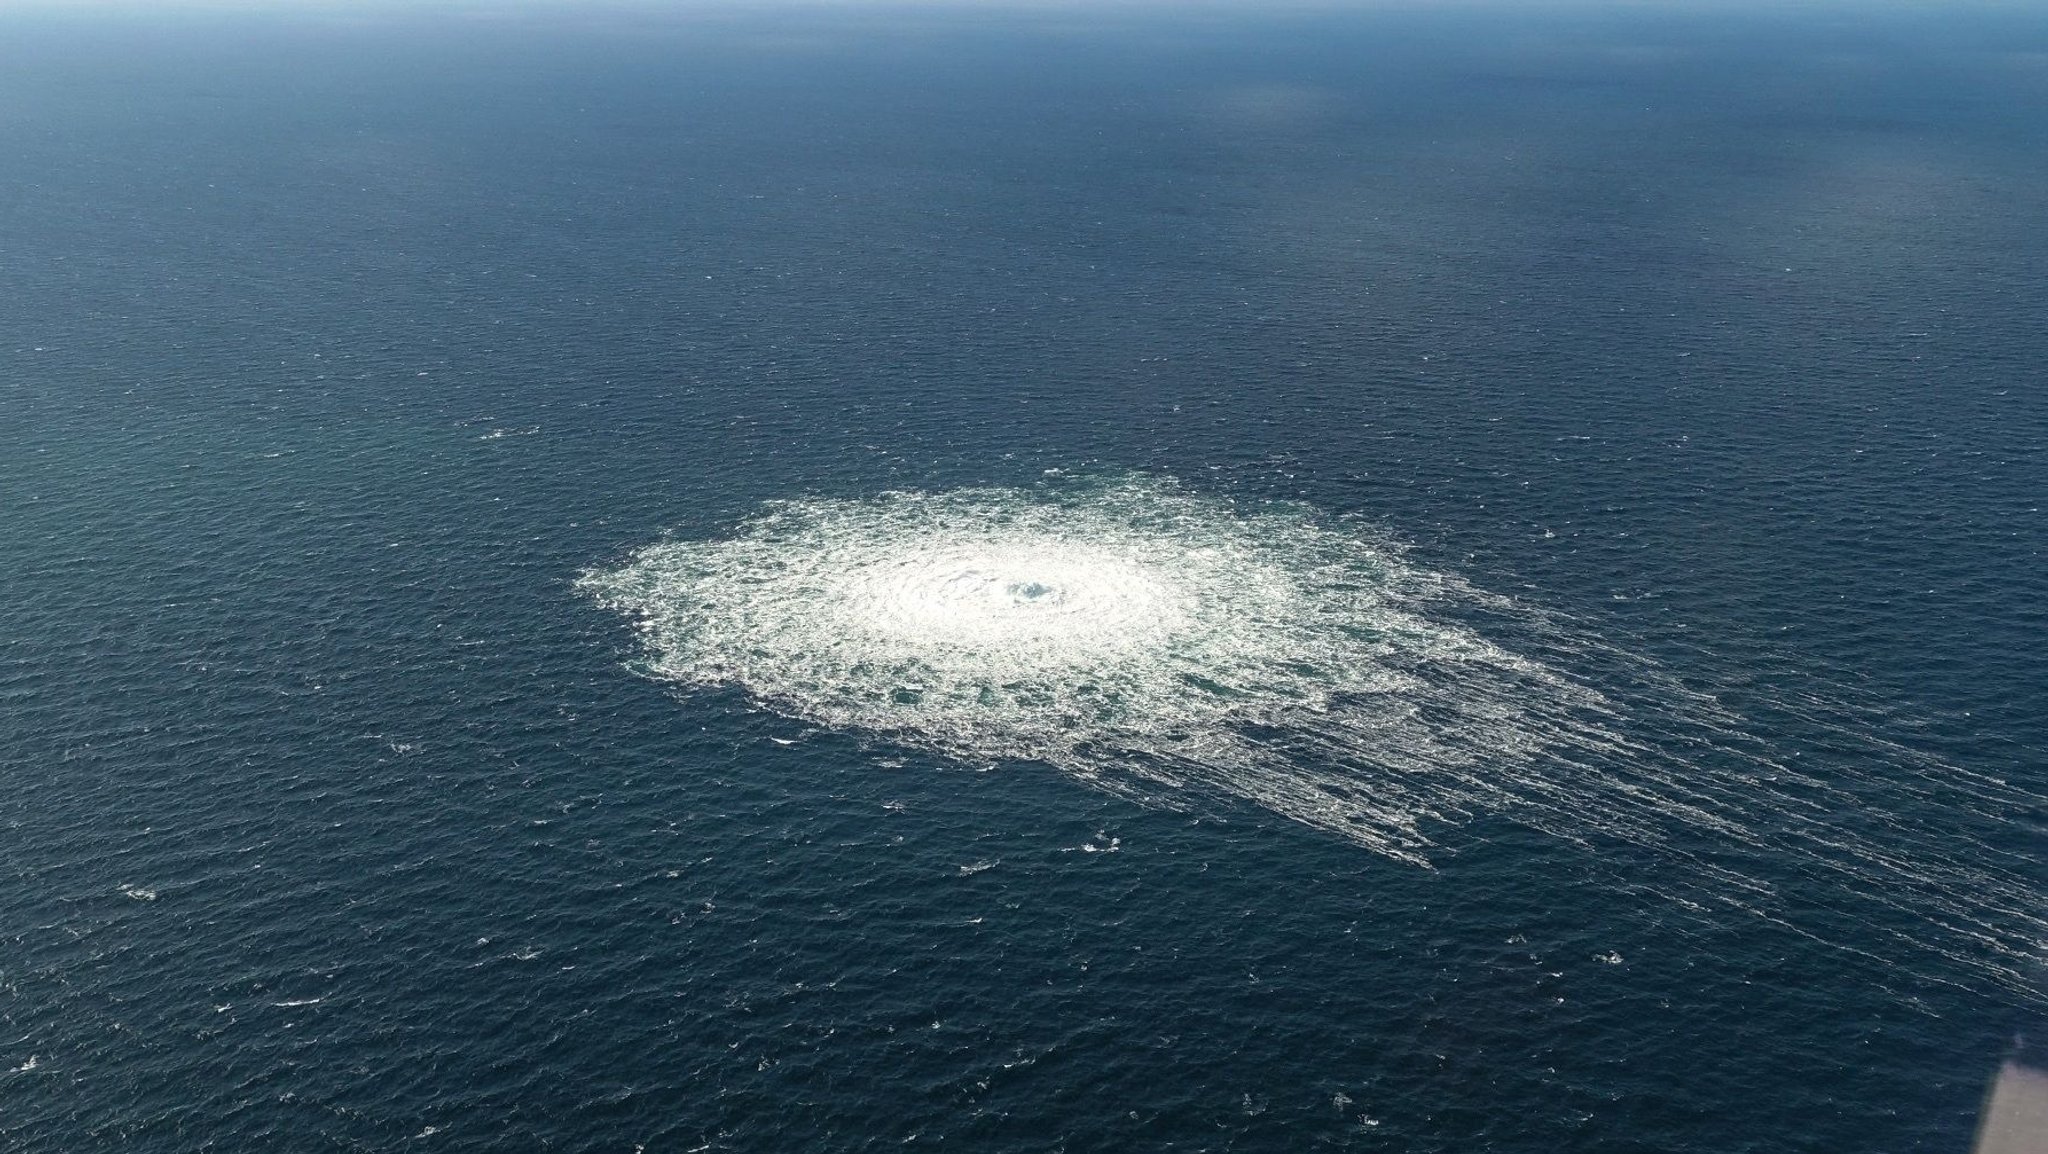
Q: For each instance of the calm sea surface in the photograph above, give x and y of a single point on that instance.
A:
(335, 351)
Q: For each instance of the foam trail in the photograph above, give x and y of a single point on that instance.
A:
(1173, 647)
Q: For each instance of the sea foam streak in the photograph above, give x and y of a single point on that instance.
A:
(1173, 647)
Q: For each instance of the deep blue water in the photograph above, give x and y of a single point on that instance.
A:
(334, 349)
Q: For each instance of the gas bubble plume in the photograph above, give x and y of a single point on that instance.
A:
(1183, 649)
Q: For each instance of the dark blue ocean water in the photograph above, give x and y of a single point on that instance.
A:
(333, 349)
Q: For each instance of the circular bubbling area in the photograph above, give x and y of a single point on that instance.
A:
(1181, 649)
(1131, 634)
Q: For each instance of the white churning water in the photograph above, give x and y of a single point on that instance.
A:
(1143, 639)
(1174, 647)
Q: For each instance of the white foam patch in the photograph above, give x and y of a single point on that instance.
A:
(1174, 647)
